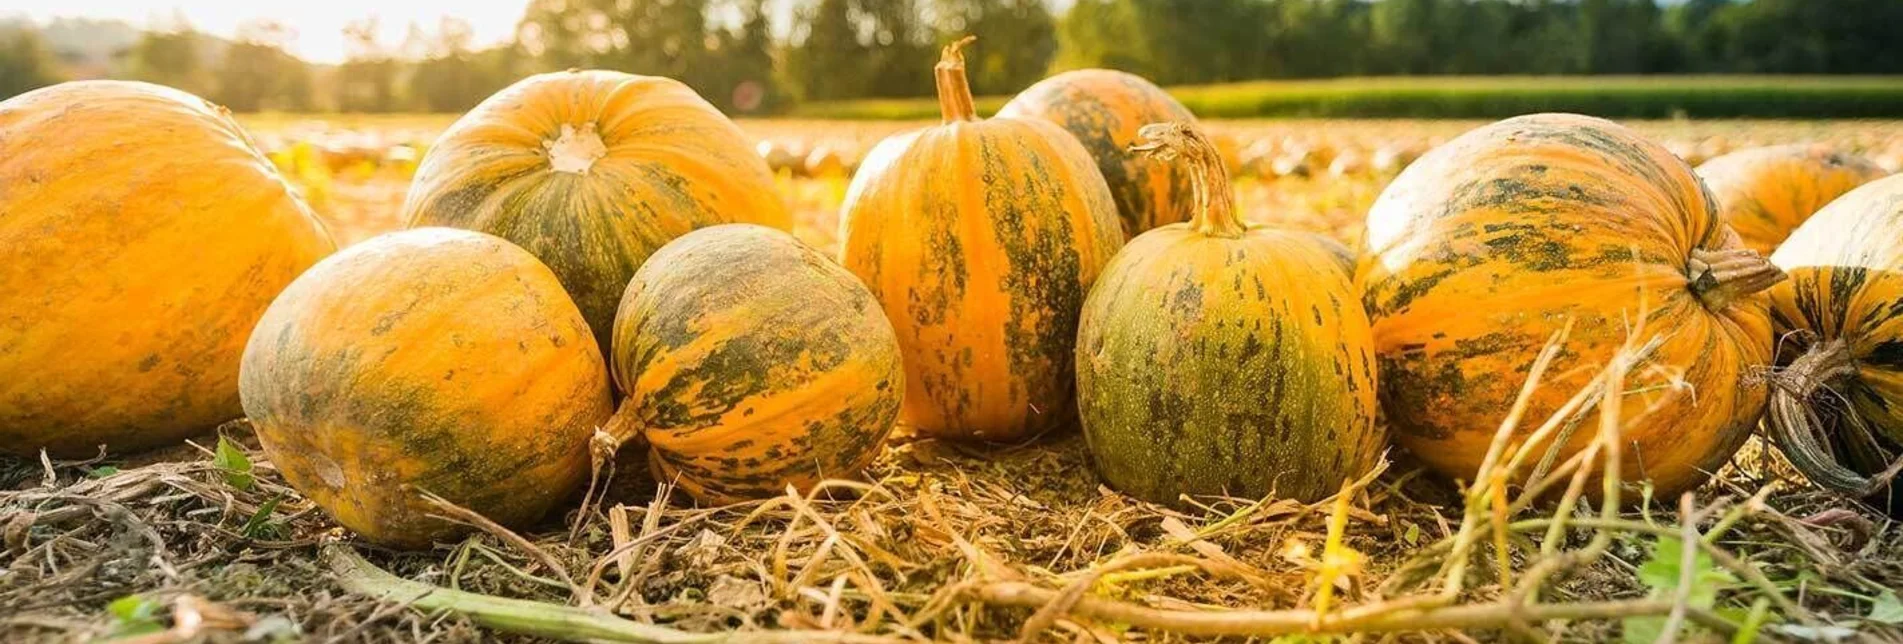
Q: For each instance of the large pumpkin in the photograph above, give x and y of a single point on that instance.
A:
(1837, 407)
(1765, 193)
(1103, 108)
(141, 236)
(981, 239)
(592, 171)
(1225, 357)
(1489, 245)
(753, 362)
(432, 359)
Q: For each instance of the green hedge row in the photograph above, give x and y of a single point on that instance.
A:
(1492, 97)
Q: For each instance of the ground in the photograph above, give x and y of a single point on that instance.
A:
(941, 540)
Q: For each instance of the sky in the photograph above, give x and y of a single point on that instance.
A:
(319, 23)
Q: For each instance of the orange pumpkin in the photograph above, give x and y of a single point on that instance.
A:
(1224, 357)
(1486, 247)
(753, 362)
(1765, 193)
(981, 239)
(1837, 411)
(592, 171)
(143, 236)
(431, 359)
(1103, 108)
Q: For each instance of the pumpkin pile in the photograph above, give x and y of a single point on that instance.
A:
(596, 258)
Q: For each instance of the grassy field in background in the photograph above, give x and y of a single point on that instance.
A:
(1491, 97)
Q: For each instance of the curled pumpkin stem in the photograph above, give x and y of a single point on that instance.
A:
(1720, 277)
(1215, 213)
(954, 90)
(1812, 442)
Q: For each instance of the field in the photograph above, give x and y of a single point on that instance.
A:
(950, 541)
(1448, 97)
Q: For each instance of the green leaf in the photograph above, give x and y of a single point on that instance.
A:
(102, 471)
(133, 615)
(1887, 609)
(1413, 534)
(234, 464)
(1661, 573)
(260, 525)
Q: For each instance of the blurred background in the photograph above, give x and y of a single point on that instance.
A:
(803, 57)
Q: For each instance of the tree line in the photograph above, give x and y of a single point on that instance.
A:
(733, 54)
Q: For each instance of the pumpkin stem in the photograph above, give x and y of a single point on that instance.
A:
(1720, 277)
(623, 425)
(954, 90)
(1813, 442)
(1215, 213)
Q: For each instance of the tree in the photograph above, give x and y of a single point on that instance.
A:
(447, 78)
(367, 79)
(170, 54)
(256, 73)
(25, 64)
(1016, 40)
(826, 60)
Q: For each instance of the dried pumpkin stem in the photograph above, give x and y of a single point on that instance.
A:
(1803, 434)
(954, 90)
(1720, 277)
(1215, 213)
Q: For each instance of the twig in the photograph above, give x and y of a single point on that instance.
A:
(460, 514)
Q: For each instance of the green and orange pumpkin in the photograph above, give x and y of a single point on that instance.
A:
(428, 360)
(1765, 193)
(1221, 357)
(981, 238)
(592, 171)
(752, 362)
(1103, 108)
(143, 236)
(1837, 402)
(1482, 251)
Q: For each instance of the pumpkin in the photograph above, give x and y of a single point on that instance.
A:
(144, 235)
(753, 362)
(1765, 193)
(1485, 248)
(1103, 108)
(1835, 408)
(592, 171)
(1343, 255)
(431, 359)
(1224, 357)
(981, 238)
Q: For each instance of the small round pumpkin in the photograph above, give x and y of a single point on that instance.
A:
(753, 362)
(1103, 108)
(592, 171)
(431, 359)
(1224, 357)
(1484, 249)
(1765, 193)
(1837, 409)
(143, 236)
(981, 239)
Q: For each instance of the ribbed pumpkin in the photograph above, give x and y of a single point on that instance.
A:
(1837, 407)
(1344, 256)
(1103, 108)
(592, 171)
(1765, 193)
(1224, 357)
(432, 359)
(141, 237)
(753, 362)
(981, 240)
(1485, 248)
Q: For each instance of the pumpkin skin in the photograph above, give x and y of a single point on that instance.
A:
(1485, 248)
(1103, 108)
(428, 359)
(753, 362)
(1765, 193)
(144, 235)
(981, 240)
(592, 171)
(1218, 357)
(1837, 320)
